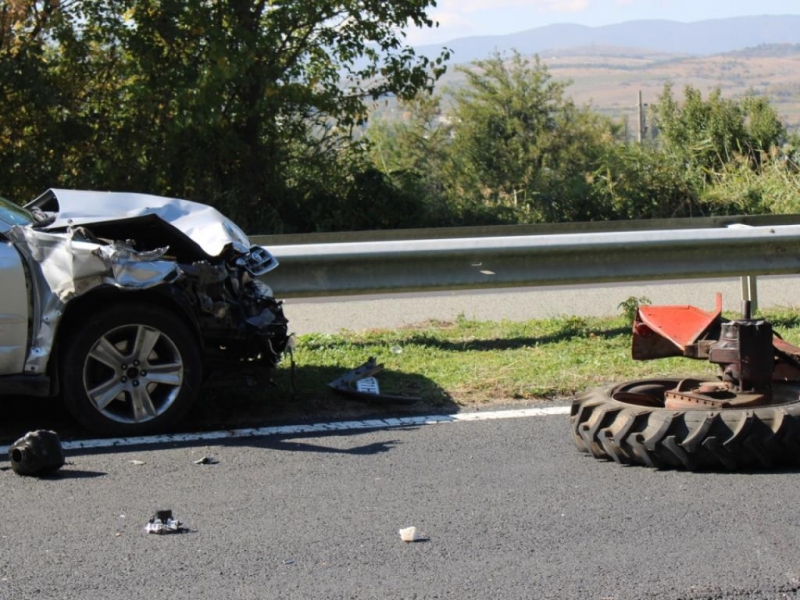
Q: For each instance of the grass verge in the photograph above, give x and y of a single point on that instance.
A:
(467, 365)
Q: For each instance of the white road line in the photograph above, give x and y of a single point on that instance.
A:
(308, 428)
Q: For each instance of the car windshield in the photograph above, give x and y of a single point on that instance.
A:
(11, 214)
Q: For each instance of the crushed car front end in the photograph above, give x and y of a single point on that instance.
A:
(242, 324)
(96, 260)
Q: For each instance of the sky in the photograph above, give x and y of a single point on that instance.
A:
(463, 18)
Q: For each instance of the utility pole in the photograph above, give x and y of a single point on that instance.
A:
(641, 119)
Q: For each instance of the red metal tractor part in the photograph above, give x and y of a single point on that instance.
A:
(744, 418)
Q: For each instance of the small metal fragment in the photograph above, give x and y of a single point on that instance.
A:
(163, 522)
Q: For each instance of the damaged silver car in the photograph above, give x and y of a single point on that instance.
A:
(124, 304)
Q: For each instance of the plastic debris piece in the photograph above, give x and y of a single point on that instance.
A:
(412, 534)
(136, 462)
(37, 453)
(206, 460)
(350, 384)
(163, 522)
(368, 385)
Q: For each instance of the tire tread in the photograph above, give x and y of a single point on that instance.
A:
(726, 439)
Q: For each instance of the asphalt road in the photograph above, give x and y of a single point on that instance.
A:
(511, 509)
(329, 315)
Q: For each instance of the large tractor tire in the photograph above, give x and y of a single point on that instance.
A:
(628, 423)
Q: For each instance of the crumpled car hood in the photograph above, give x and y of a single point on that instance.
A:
(207, 227)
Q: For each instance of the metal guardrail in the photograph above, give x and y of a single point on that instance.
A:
(342, 268)
(439, 233)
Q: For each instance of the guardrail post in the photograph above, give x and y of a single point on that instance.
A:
(750, 291)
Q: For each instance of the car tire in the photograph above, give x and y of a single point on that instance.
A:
(131, 370)
(628, 423)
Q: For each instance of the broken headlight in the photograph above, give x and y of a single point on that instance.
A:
(257, 261)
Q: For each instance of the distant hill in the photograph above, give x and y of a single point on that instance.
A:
(609, 78)
(703, 38)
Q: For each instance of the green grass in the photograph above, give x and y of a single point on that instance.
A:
(454, 366)
(468, 363)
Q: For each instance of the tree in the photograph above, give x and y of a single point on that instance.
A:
(415, 153)
(522, 143)
(244, 104)
(29, 96)
(710, 134)
(634, 181)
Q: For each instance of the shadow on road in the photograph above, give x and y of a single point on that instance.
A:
(290, 443)
(22, 414)
(295, 397)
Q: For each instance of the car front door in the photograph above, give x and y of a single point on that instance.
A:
(13, 310)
